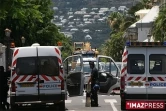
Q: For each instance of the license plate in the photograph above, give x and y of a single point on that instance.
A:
(145, 105)
(27, 85)
(132, 83)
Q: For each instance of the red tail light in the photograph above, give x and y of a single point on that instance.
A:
(122, 84)
(62, 85)
(13, 87)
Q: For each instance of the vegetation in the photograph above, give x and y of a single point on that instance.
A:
(119, 23)
(159, 28)
(31, 19)
(114, 48)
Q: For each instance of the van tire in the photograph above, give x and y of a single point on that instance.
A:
(123, 105)
(13, 107)
(62, 106)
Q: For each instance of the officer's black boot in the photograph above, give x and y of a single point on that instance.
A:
(95, 99)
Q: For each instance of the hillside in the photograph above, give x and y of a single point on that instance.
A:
(86, 20)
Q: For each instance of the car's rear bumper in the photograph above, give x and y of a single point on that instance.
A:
(37, 99)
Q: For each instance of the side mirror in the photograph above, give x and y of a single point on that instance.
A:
(61, 66)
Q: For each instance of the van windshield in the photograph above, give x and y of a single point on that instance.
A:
(86, 68)
(46, 66)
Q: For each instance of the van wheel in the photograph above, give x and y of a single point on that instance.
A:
(14, 107)
(62, 106)
(123, 105)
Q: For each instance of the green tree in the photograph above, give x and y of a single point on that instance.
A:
(67, 48)
(31, 19)
(114, 46)
(115, 19)
(17, 15)
(160, 26)
(119, 23)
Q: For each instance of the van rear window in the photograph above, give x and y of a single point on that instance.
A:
(136, 64)
(26, 66)
(157, 63)
(32, 66)
(49, 66)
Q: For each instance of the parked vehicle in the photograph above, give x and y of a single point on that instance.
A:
(37, 76)
(109, 77)
(143, 85)
(77, 76)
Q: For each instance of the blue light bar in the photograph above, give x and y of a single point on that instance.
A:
(146, 44)
(128, 43)
(164, 43)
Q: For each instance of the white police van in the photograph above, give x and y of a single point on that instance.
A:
(143, 76)
(37, 77)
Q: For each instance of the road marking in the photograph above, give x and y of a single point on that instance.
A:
(111, 101)
(83, 100)
(103, 95)
(84, 94)
(68, 101)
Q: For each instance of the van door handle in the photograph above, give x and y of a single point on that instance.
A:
(41, 81)
(150, 78)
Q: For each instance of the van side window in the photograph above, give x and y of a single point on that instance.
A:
(136, 64)
(157, 63)
(49, 66)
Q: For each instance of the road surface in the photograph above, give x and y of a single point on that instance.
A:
(106, 103)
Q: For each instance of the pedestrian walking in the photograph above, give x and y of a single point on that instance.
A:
(94, 81)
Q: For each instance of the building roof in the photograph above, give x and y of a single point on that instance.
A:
(148, 19)
(142, 11)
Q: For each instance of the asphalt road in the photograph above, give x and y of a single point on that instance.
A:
(106, 103)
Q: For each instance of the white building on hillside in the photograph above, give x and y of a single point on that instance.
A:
(142, 28)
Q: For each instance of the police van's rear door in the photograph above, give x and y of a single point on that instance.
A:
(25, 76)
(109, 75)
(74, 76)
(135, 82)
(49, 74)
(156, 73)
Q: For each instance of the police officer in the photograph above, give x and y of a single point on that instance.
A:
(93, 79)
(4, 89)
(1, 72)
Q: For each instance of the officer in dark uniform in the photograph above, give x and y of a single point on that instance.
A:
(1, 72)
(4, 89)
(94, 80)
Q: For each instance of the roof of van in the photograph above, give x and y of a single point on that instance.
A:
(35, 46)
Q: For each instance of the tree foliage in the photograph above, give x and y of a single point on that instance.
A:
(114, 46)
(31, 19)
(119, 23)
(160, 26)
(115, 19)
